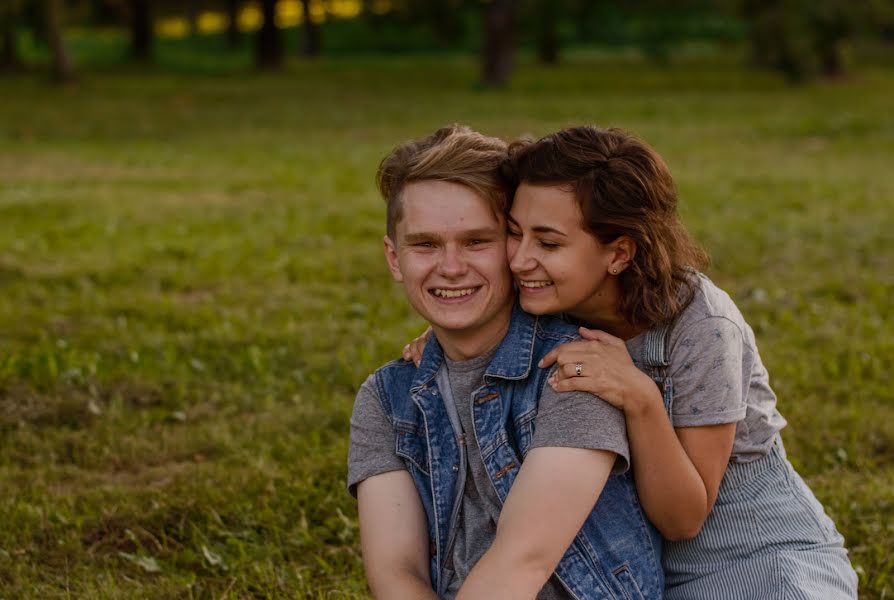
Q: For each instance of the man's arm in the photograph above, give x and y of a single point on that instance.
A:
(394, 537)
(553, 494)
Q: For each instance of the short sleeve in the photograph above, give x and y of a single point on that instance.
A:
(372, 445)
(706, 369)
(581, 420)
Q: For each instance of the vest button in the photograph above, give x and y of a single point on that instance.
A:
(455, 468)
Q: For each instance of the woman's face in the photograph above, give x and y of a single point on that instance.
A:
(558, 266)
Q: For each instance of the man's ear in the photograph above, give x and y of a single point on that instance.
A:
(391, 257)
(625, 250)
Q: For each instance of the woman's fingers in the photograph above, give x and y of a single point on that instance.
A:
(560, 353)
(597, 335)
(550, 358)
(413, 351)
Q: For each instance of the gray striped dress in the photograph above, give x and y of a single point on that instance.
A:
(767, 537)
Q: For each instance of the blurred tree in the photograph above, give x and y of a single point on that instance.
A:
(583, 11)
(193, 9)
(805, 38)
(311, 41)
(10, 14)
(832, 23)
(142, 36)
(498, 43)
(547, 13)
(234, 36)
(446, 18)
(61, 65)
(269, 49)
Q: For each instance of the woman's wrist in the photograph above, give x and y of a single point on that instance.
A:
(642, 396)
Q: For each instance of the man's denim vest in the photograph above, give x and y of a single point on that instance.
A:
(617, 552)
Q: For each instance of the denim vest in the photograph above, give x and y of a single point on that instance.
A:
(617, 552)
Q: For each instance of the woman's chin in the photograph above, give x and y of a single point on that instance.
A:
(536, 307)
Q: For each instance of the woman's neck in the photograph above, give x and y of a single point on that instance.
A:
(609, 322)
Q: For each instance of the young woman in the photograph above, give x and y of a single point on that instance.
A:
(595, 235)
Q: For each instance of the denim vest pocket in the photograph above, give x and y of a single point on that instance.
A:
(628, 584)
(524, 432)
(411, 446)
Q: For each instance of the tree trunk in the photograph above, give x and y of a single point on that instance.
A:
(446, 17)
(831, 59)
(311, 42)
(62, 68)
(141, 34)
(547, 33)
(234, 38)
(498, 52)
(269, 44)
(584, 13)
(10, 60)
(192, 16)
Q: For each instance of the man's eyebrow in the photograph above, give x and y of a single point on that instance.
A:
(422, 236)
(482, 232)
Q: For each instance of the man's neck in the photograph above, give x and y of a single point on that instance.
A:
(466, 345)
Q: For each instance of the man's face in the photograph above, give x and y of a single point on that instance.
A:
(450, 254)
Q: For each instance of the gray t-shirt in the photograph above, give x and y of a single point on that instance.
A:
(717, 372)
(575, 420)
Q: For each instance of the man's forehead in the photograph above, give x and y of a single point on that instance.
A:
(445, 211)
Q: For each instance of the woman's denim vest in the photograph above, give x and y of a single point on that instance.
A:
(617, 552)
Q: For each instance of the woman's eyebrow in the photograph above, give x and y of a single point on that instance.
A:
(545, 229)
(537, 228)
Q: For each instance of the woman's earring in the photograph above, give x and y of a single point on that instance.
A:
(614, 270)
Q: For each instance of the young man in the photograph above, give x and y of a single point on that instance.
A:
(474, 479)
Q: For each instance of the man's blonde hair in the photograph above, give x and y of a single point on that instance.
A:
(456, 154)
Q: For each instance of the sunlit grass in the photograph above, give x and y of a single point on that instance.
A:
(193, 290)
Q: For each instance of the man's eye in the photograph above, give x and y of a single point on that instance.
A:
(477, 242)
(424, 245)
(514, 234)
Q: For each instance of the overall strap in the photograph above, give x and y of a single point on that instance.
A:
(656, 358)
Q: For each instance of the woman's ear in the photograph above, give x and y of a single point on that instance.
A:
(624, 251)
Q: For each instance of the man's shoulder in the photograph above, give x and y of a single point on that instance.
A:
(391, 383)
(393, 372)
(552, 327)
(396, 365)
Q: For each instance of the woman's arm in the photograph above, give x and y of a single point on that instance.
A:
(677, 473)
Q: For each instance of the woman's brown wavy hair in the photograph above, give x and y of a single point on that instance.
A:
(623, 187)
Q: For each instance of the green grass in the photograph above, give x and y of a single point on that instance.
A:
(193, 289)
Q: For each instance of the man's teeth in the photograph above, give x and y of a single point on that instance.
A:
(535, 284)
(453, 293)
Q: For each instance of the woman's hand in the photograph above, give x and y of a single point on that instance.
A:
(601, 365)
(413, 350)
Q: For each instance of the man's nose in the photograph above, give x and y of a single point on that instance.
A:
(453, 263)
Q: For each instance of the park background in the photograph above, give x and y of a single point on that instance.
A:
(191, 271)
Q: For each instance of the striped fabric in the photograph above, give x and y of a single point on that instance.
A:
(767, 537)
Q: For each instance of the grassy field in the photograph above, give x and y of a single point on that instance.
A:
(193, 289)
